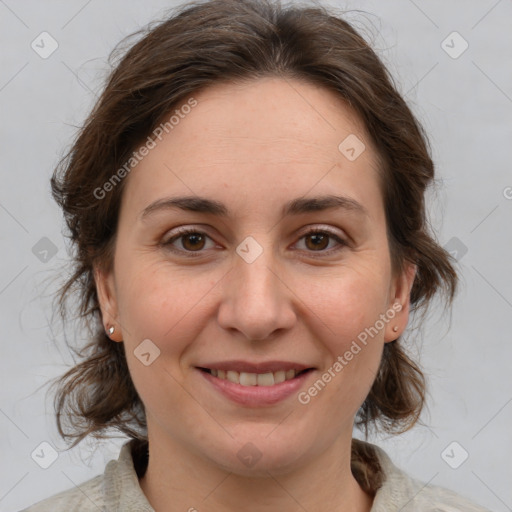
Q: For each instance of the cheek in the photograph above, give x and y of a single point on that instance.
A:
(163, 304)
(168, 306)
(348, 302)
(347, 321)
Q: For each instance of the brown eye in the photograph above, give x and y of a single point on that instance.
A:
(318, 241)
(193, 241)
(188, 241)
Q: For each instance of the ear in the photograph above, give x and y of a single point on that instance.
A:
(399, 302)
(105, 287)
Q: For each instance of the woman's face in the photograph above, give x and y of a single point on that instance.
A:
(251, 291)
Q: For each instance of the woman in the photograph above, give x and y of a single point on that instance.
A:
(247, 204)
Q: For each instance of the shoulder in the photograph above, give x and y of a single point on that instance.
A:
(85, 497)
(399, 491)
(117, 488)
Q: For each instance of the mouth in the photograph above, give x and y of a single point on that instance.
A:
(256, 379)
(263, 387)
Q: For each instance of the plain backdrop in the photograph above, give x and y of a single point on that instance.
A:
(463, 97)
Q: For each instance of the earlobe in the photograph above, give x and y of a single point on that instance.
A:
(400, 303)
(107, 301)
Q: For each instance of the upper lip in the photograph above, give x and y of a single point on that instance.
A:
(248, 367)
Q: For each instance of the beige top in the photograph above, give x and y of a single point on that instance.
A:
(118, 489)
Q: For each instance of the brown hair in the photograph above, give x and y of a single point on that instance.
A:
(201, 44)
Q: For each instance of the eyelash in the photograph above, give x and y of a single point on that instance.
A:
(194, 254)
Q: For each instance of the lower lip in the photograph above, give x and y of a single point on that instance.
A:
(256, 396)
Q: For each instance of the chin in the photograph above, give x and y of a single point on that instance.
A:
(259, 455)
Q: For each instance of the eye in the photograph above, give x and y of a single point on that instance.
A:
(317, 240)
(194, 241)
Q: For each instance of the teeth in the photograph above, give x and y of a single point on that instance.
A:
(265, 379)
(233, 377)
(279, 376)
(248, 379)
(255, 379)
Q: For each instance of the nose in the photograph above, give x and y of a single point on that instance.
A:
(256, 300)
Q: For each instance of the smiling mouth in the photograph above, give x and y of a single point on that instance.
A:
(256, 379)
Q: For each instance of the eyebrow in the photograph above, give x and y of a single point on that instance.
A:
(294, 207)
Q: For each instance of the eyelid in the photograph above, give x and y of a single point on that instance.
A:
(341, 240)
(312, 229)
(180, 232)
(319, 228)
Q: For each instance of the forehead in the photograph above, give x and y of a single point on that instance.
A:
(258, 140)
(284, 116)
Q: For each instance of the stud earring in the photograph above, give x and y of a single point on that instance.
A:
(395, 329)
(111, 330)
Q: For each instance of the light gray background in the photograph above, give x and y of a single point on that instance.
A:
(466, 107)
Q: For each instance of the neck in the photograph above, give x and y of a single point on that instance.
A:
(177, 479)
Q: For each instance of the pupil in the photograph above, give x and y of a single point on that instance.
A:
(317, 240)
(195, 237)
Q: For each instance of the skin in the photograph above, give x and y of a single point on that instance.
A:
(253, 146)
